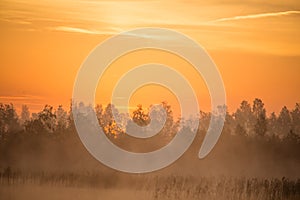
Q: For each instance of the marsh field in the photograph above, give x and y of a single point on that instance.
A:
(256, 157)
(94, 186)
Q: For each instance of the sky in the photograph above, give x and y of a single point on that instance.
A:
(254, 43)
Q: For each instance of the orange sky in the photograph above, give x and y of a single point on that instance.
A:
(255, 44)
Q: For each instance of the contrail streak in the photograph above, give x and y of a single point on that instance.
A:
(255, 16)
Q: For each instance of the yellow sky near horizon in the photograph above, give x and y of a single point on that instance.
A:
(254, 43)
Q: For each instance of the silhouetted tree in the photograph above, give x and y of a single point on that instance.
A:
(170, 127)
(44, 122)
(138, 121)
(272, 125)
(244, 117)
(2, 121)
(99, 113)
(284, 121)
(204, 121)
(229, 122)
(259, 112)
(295, 114)
(140, 117)
(25, 114)
(61, 119)
(109, 124)
(70, 117)
(8, 119)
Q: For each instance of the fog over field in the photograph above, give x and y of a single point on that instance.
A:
(256, 157)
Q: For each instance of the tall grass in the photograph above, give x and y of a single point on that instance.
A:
(218, 188)
(166, 187)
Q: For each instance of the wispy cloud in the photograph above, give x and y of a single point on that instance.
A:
(207, 22)
(82, 30)
(74, 29)
(256, 16)
(19, 100)
(20, 97)
(16, 21)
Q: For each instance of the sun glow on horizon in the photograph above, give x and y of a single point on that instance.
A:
(255, 46)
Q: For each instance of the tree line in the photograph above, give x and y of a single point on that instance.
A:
(248, 120)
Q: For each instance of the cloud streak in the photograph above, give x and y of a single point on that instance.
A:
(257, 16)
(20, 97)
(76, 30)
(83, 30)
